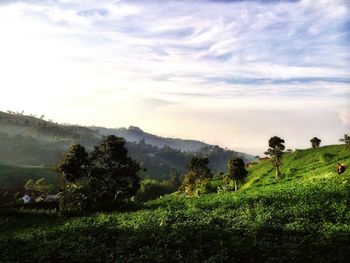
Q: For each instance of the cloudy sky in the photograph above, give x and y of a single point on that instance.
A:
(232, 73)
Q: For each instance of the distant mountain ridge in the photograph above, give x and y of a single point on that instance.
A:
(31, 141)
(136, 134)
(32, 125)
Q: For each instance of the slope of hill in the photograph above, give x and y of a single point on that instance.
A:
(300, 166)
(135, 134)
(303, 217)
(28, 140)
(15, 176)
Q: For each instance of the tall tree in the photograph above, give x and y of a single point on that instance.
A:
(74, 164)
(198, 172)
(275, 151)
(199, 166)
(113, 175)
(315, 142)
(236, 170)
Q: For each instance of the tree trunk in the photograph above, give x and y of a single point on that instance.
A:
(236, 185)
(277, 176)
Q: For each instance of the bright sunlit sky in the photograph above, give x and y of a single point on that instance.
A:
(232, 73)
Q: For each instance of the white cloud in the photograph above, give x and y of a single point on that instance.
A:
(344, 116)
(129, 57)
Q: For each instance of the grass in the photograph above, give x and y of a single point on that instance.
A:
(15, 175)
(303, 217)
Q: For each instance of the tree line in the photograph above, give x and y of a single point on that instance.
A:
(107, 178)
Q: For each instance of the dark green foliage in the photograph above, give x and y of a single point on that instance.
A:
(27, 150)
(275, 151)
(199, 166)
(32, 141)
(113, 175)
(236, 170)
(198, 174)
(74, 164)
(76, 199)
(315, 142)
(153, 189)
(15, 176)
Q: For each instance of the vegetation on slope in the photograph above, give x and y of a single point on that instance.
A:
(303, 217)
(15, 176)
(310, 164)
(28, 140)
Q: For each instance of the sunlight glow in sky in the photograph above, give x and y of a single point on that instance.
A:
(232, 73)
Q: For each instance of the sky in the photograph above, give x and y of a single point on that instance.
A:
(232, 73)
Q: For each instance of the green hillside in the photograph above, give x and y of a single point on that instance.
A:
(303, 217)
(29, 140)
(15, 176)
(301, 165)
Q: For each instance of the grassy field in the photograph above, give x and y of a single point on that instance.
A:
(303, 217)
(15, 176)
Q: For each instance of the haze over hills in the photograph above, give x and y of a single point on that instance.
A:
(135, 134)
(28, 142)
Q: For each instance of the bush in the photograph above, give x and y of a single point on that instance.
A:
(76, 199)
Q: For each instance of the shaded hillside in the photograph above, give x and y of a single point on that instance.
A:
(28, 140)
(304, 217)
(135, 134)
(15, 176)
(19, 124)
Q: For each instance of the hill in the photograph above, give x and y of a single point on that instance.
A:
(28, 140)
(300, 166)
(303, 217)
(135, 134)
(15, 176)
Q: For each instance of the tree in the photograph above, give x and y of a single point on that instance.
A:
(39, 187)
(42, 187)
(198, 172)
(346, 139)
(174, 179)
(236, 170)
(113, 175)
(200, 167)
(275, 151)
(30, 186)
(315, 142)
(74, 164)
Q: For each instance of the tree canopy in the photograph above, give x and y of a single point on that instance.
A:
(112, 173)
(236, 170)
(73, 166)
(198, 172)
(275, 151)
(315, 142)
(112, 176)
